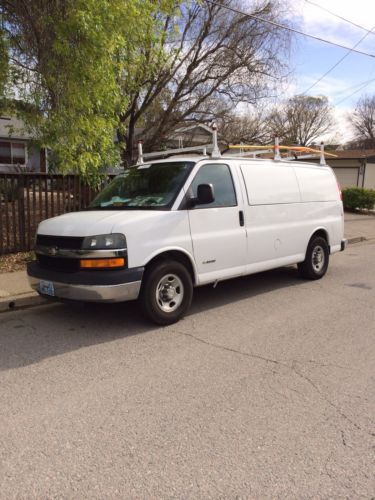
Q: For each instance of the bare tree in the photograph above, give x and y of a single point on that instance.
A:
(301, 120)
(219, 59)
(247, 128)
(362, 121)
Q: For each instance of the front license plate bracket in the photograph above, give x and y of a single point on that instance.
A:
(47, 288)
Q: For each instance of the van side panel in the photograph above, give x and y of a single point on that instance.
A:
(318, 186)
(316, 183)
(274, 232)
(281, 216)
(270, 183)
(272, 214)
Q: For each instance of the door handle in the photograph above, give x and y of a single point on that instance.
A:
(241, 217)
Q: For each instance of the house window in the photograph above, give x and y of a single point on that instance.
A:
(12, 153)
(5, 152)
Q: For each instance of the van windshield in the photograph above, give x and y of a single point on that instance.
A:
(152, 186)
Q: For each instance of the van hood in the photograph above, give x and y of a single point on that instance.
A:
(94, 222)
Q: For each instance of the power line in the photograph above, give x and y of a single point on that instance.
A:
(338, 62)
(365, 84)
(282, 26)
(336, 15)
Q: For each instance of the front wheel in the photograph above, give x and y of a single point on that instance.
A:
(166, 292)
(316, 261)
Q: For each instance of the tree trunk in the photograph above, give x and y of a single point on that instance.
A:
(126, 139)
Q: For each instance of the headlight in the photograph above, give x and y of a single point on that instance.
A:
(104, 242)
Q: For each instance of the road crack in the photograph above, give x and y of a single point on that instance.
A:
(235, 351)
(291, 367)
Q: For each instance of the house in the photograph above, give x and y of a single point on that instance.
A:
(195, 134)
(189, 135)
(17, 151)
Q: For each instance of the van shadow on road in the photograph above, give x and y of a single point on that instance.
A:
(27, 337)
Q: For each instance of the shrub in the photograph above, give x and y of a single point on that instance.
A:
(358, 198)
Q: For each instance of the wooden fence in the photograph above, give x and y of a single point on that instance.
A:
(28, 198)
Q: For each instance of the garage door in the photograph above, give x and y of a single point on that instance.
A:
(347, 177)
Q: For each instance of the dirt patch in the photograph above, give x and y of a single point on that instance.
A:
(15, 261)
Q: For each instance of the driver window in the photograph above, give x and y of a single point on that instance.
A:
(220, 177)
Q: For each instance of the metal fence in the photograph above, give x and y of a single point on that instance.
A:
(28, 198)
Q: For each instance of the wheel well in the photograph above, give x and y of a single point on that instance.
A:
(177, 256)
(323, 234)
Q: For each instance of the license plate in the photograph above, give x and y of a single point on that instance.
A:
(46, 288)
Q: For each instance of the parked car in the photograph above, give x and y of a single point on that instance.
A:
(164, 227)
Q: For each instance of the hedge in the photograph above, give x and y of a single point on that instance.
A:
(358, 198)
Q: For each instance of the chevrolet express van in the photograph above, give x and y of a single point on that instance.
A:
(164, 227)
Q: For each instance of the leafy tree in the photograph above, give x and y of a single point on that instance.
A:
(362, 121)
(301, 120)
(3, 69)
(66, 58)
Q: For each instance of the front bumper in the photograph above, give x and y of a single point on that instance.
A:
(88, 286)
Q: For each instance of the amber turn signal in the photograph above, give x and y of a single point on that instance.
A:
(101, 263)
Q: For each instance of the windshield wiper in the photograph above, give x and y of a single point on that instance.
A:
(127, 207)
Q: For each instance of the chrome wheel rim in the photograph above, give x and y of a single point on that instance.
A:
(318, 258)
(169, 293)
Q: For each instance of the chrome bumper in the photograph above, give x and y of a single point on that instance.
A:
(91, 293)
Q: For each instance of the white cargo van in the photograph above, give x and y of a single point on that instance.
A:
(161, 228)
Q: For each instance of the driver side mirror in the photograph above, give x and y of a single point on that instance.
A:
(205, 195)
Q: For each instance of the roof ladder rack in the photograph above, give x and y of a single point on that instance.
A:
(213, 147)
(160, 154)
(322, 157)
(216, 154)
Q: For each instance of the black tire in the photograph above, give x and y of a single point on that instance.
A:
(316, 261)
(166, 293)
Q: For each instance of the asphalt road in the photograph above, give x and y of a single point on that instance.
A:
(266, 390)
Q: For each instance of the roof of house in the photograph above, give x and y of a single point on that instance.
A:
(353, 153)
(193, 126)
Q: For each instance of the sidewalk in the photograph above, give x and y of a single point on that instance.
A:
(15, 291)
(359, 227)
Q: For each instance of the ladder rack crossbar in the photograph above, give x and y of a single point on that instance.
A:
(177, 150)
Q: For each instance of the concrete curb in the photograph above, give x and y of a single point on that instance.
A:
(21, 301)
(32, 299)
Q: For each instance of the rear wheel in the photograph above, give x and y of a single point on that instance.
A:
(166, 292)
(316, 262)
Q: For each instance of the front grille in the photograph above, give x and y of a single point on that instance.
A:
(58, 263)
(65, 242)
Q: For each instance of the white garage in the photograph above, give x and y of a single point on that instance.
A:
(347, 176)
(353, 167)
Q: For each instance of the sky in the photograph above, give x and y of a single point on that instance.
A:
(310, 59)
